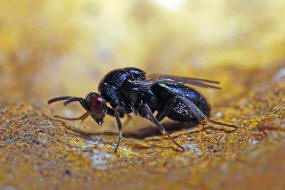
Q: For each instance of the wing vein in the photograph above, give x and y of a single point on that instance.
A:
(169, 79)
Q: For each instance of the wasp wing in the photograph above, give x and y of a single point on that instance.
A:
(170, 79)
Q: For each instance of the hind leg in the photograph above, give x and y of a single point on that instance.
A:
(201, 117)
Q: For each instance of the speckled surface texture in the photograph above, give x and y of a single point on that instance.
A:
(56, 48)
(40, 152)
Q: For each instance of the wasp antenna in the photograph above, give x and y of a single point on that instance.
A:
(225, 124)
(73, 99)
(59, 99)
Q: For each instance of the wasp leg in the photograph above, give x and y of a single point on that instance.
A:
(166, 109)
(201, 116)
(225, 124)
(110, 112)
(119, 124)
(116, 113)
(82, 117)
(151, 117)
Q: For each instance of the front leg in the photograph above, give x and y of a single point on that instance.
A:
(82, 117)
(119, 124)
(111, 112)
(117, 113)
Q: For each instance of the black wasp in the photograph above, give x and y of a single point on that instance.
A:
(127, 90)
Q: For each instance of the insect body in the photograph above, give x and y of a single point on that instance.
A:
(128, 90)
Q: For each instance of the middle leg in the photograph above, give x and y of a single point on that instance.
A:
(151, 117)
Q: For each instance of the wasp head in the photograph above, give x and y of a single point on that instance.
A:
(97, 107)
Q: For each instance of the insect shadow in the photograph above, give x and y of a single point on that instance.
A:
(151, 131)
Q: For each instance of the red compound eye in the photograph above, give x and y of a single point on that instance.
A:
(98, 103)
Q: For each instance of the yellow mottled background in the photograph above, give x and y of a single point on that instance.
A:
(64, 47)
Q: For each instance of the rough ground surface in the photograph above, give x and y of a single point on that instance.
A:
(39, 152)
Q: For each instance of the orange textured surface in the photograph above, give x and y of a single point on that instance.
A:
(35, 147)
(55, 48)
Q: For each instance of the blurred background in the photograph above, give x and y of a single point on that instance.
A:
(53, 48)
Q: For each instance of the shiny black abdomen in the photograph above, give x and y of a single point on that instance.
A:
(179, 111)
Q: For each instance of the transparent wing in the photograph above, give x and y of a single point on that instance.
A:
(170, 79)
